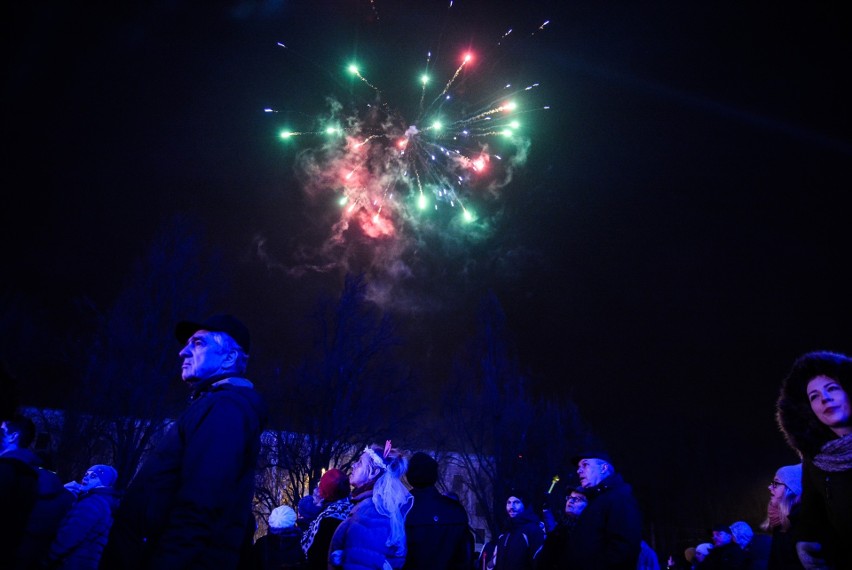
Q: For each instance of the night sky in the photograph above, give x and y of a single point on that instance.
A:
(677, 236)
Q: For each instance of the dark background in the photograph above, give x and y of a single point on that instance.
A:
(677, 237)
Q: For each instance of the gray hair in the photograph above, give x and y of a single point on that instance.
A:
(228, 344)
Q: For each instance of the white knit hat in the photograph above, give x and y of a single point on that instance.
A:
(282, 517)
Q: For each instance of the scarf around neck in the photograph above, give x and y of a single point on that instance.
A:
(338, 510)
(836, 455)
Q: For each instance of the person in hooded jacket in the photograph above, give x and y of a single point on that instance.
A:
(83, 532)
(518, 547)
(609, 534)
(814, 410)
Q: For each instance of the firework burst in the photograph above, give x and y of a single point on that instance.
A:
(397, 172)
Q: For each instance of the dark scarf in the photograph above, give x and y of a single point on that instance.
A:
(836, 455)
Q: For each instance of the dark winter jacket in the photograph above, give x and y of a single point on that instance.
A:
(519, 545)
(84, 531)
(608, 534)
(277, 551)
(555, 546)
(782, 552)
(726, 557)
(360, 542)
(825, 514)
(317, 538)
(48, 502)
(437, 533)
(18, 491)
(189, 505)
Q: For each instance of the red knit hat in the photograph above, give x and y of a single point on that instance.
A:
(334, 485)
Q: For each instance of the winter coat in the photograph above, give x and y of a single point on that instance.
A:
(826, 512)
(18, 491)
(37, 494)
(437, 533)
(782, 552)
(757, 551)
(317, 538)
(83, 533)
(518, 547)
(189, 505)
(278, 550)
(555, 545)
(726, 557)
(360, 542)
(608, 534)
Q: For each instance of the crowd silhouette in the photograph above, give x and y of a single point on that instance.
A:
(190, 504)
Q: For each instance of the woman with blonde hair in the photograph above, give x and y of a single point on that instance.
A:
(373, 537)
(785, 494)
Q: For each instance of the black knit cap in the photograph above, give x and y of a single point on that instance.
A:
(227, 324)
(422, 470)
(519, 494)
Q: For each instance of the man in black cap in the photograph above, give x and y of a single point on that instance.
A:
(436, 527)
(190, 503)
(609, 533)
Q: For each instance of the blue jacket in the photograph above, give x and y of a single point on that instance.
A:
(360, 542)
(84, 531)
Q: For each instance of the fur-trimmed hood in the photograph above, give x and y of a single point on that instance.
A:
(803, 431)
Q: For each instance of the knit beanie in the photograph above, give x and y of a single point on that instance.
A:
(282, 517)
(334, 485)
(742, 532)
(791, 476)
(422, 470)
(519, 494)
(106, 474)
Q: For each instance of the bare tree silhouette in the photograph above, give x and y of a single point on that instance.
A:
(130, 386)
(506, 436)
(350, 390)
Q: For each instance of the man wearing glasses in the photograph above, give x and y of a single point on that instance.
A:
(552, 555)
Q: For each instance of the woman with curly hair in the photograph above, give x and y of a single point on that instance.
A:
(814, 411)
(373, 537)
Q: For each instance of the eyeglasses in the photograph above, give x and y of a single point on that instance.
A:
(575, 499)
(776, 484)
